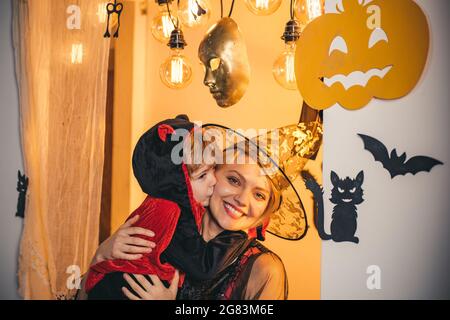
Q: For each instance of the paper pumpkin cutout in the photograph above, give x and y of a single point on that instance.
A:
(394, 164)
(370, 49)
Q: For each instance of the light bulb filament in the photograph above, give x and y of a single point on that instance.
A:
(262, 4)
(77, 53)
(176, 75)
(290, 70)
(101, 12)
(167, 26)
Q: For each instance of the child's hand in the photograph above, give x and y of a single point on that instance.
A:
(124, 244)
(155, 291)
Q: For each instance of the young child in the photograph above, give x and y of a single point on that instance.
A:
(173, 210)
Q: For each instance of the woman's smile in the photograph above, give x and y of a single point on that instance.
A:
(232, 211)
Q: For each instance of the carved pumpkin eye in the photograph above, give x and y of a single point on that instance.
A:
(341, 190)
(377, 35)
(338, 44)
(352, 190)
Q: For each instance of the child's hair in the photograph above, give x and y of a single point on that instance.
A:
(194, 150)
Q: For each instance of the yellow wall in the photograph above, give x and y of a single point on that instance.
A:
(265, 105)
(123, 86)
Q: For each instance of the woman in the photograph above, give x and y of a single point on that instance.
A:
(243, 199)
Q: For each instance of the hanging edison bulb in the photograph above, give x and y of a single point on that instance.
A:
(194, 13)
(263, 7)
(76, 56)
(162, 25)
(176, 71)
(101, 12)
(307, 10)
(284, 66)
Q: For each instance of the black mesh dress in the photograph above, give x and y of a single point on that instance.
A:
(257, 274)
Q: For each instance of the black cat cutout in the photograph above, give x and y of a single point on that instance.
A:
(394, 164)
(112, 8)
(346, 195)
(22, 186)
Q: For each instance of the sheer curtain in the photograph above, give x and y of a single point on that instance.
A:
(62, 78)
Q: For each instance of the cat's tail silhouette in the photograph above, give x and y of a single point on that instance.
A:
(317, 191)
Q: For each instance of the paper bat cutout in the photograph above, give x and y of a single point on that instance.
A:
(393, 163)
(22, 186)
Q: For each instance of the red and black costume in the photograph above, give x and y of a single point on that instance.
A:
(171, 212)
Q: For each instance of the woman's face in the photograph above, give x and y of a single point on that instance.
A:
(240, 196)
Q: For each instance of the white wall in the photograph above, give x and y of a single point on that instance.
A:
(403, 225)
(11, 159)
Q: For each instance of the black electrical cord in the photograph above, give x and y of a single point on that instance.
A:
(221, 9)
(231, 9)
(175, 25)
(291, 11)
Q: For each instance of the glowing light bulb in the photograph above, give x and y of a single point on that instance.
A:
(307, 10)
(101, 12)
(284, 67)
(162, 25)
(194, 13)
(77, 53)
(176, 71)
(263, 7)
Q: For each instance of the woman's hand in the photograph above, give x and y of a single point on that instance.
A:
(155, 291)
(124, 244)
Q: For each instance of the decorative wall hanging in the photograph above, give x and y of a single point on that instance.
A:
(113, 8)
(370, 49)
(345, 195)
(283, 68)
(394, 164)
(22, 186)
(227, 69)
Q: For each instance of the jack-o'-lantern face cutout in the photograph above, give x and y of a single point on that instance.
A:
(370, 49)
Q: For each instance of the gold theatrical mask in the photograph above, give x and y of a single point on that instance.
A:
(224, 54)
